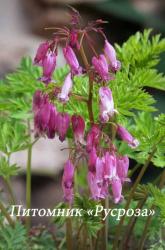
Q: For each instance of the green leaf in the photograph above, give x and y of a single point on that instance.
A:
(6, 170)
(13, 238)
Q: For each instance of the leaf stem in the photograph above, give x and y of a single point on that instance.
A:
(6, 214)
(8, 184)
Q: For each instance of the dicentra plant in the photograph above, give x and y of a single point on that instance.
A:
(101, 105)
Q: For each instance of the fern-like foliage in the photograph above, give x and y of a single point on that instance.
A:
(158, 199)
(7, 171)
(42, 241)
(13, 238)
(13, 136)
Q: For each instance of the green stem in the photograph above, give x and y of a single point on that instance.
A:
(69, 241)
(28, 181)
(9, 187)
(134, 169)
(144, 233)
(104, 230)
(6, 214)
(131, 225)
(143, 169)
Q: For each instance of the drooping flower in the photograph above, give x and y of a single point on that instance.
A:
(66, 88)
(49, 64)
(71, 59)
(101, 66)
(41, 53)
(93, 137)
(78, 125)
(110, 170)
(122, 168)
(93, 186)
(44, 115)
(68, 181)
(110, 52)
(127, 137)
(51, 128)
(63, 122)
(107, 109)
(41, 119)
(99, 170)
(117, 190)
(92, 157)
(38, 100)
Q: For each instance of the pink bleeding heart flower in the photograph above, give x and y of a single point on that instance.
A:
(68, 181)
(66, 88)
(71, 59)
(117, 190)
(41, 119)
(63, 122)
(99, 170)
(93, 137)
(41, 53)
(104, 190)
(101, 66)
(127, 137)
(44, 115)
(110, 170)
(78, 125)
(38, 100)
(110, 52)
(49, 64)
(92, 160)
(107, 109)
(122, 168)
(52, 124)
(93, 186)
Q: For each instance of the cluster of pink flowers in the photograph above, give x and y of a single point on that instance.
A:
(107, 169)
(46, 118)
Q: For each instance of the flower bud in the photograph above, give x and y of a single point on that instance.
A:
(101, 66)
(51, 128)
(110, 52)
(63, 121)
(93, 138)
(68, 181)
(72, 60)
(122, 168)
(41, 53)
(106, 104)
(49, 64)
(78, 125)
(117, 190)
(92, 160)
(44, 115)
(66, 88)
(127, 137)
